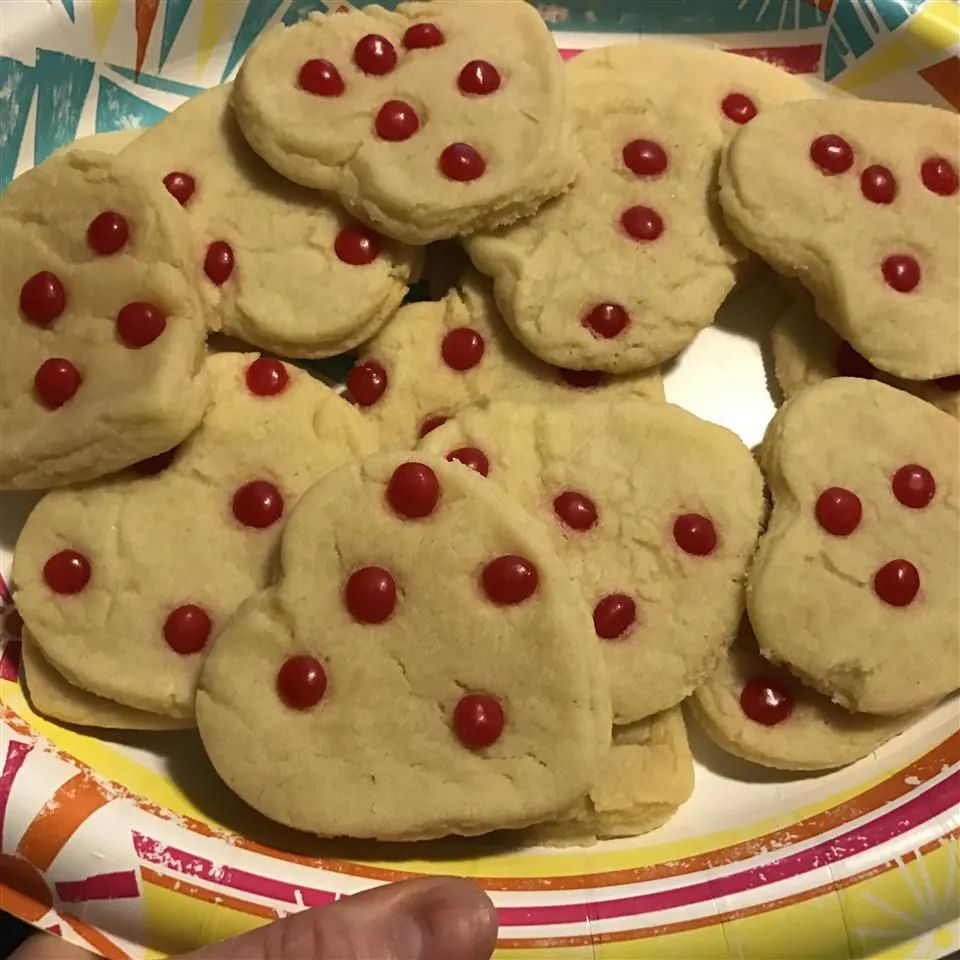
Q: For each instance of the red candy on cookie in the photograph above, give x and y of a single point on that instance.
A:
(321, 78)
(375, 55)
(413, 490)
(187, 629)
(56, 381)
(831, 153)
(478, 720)
(366, 383)
(839, 511)
(614, 615)
(108, 232)
(767, 701)
(266, 377)
(258, 504)
(218, 263)
(67, 572)
(739, 108)
(42, 298)
(462, 349)
(301, 682)
(371, 595)
(473, 458)
(509, 579)
(575, 510)
(181, 186)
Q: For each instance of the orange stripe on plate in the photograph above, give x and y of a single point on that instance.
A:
(208, 896)
(106, 948)
(946, 753)
(646, 933)
(895, 786)
(60, 818)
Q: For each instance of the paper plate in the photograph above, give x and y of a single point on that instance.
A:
(129, 844)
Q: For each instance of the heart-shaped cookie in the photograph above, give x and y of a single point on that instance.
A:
(423, 665)
(123, 583)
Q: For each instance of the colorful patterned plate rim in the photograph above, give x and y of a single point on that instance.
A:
(130, 844)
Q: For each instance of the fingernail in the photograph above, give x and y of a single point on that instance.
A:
(456, 921)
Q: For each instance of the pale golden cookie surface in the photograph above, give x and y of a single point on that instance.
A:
(656, 513)
(101, 322)
(372, 703)
(427, 122)
(855, 582)
(125, 582)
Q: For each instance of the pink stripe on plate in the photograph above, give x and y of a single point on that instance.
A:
(10, 661)
(944, 796)
(17, 752)
(179, 861)
(104, 886)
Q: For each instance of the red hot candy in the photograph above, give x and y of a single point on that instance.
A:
(613, 616)
(301, 682)
(267, 377)
(478, 720)
(108, 232)
(509, 579)
(67, 572)
(766, 701)
(42, 298)
(462, 349)
(832, 154)
(423, 36)
(321, 78)
(366, 383)
(739, 108)
(375, 55)
(471, 457)
(413, 490)
(838, 511)
(187, 629)
(371, 595)
(258, 504)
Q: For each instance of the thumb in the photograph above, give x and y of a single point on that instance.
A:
(428, 919)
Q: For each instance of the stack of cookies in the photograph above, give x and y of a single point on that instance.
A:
(472, 590)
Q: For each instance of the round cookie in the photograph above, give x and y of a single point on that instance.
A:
(427, 122)
(807, 351)
(427, 711)
(123, 583)
(868, 221)
(866, 497)
(646, 778)
(434, 358)
(54, 697)
(285, 268)
(100, 319)
(762, 713)
(656, 513)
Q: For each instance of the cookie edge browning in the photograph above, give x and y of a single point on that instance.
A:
(786, 512)
(268, 604)
(51, 695)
